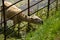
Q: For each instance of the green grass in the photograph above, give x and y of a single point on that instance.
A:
(48, 31)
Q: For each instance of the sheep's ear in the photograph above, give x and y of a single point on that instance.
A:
(1, 7)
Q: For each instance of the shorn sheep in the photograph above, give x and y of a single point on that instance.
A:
(13, 10)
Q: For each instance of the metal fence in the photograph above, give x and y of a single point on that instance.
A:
(29, 6)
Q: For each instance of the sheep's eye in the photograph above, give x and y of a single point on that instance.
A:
(31, 18)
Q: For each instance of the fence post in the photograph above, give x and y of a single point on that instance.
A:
(48, 8)
(4, 19)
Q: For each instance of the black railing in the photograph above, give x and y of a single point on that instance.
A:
(4, 20)
(3, 10)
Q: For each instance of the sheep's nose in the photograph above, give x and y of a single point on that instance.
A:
(40, 21)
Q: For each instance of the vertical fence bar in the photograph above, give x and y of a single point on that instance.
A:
(28, 14)
(48, 8)
(56, 5)
(28, 8)
(4, 19)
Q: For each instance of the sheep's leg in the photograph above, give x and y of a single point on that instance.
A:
(19, 21)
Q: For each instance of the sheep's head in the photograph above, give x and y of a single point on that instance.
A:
(36, 19)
